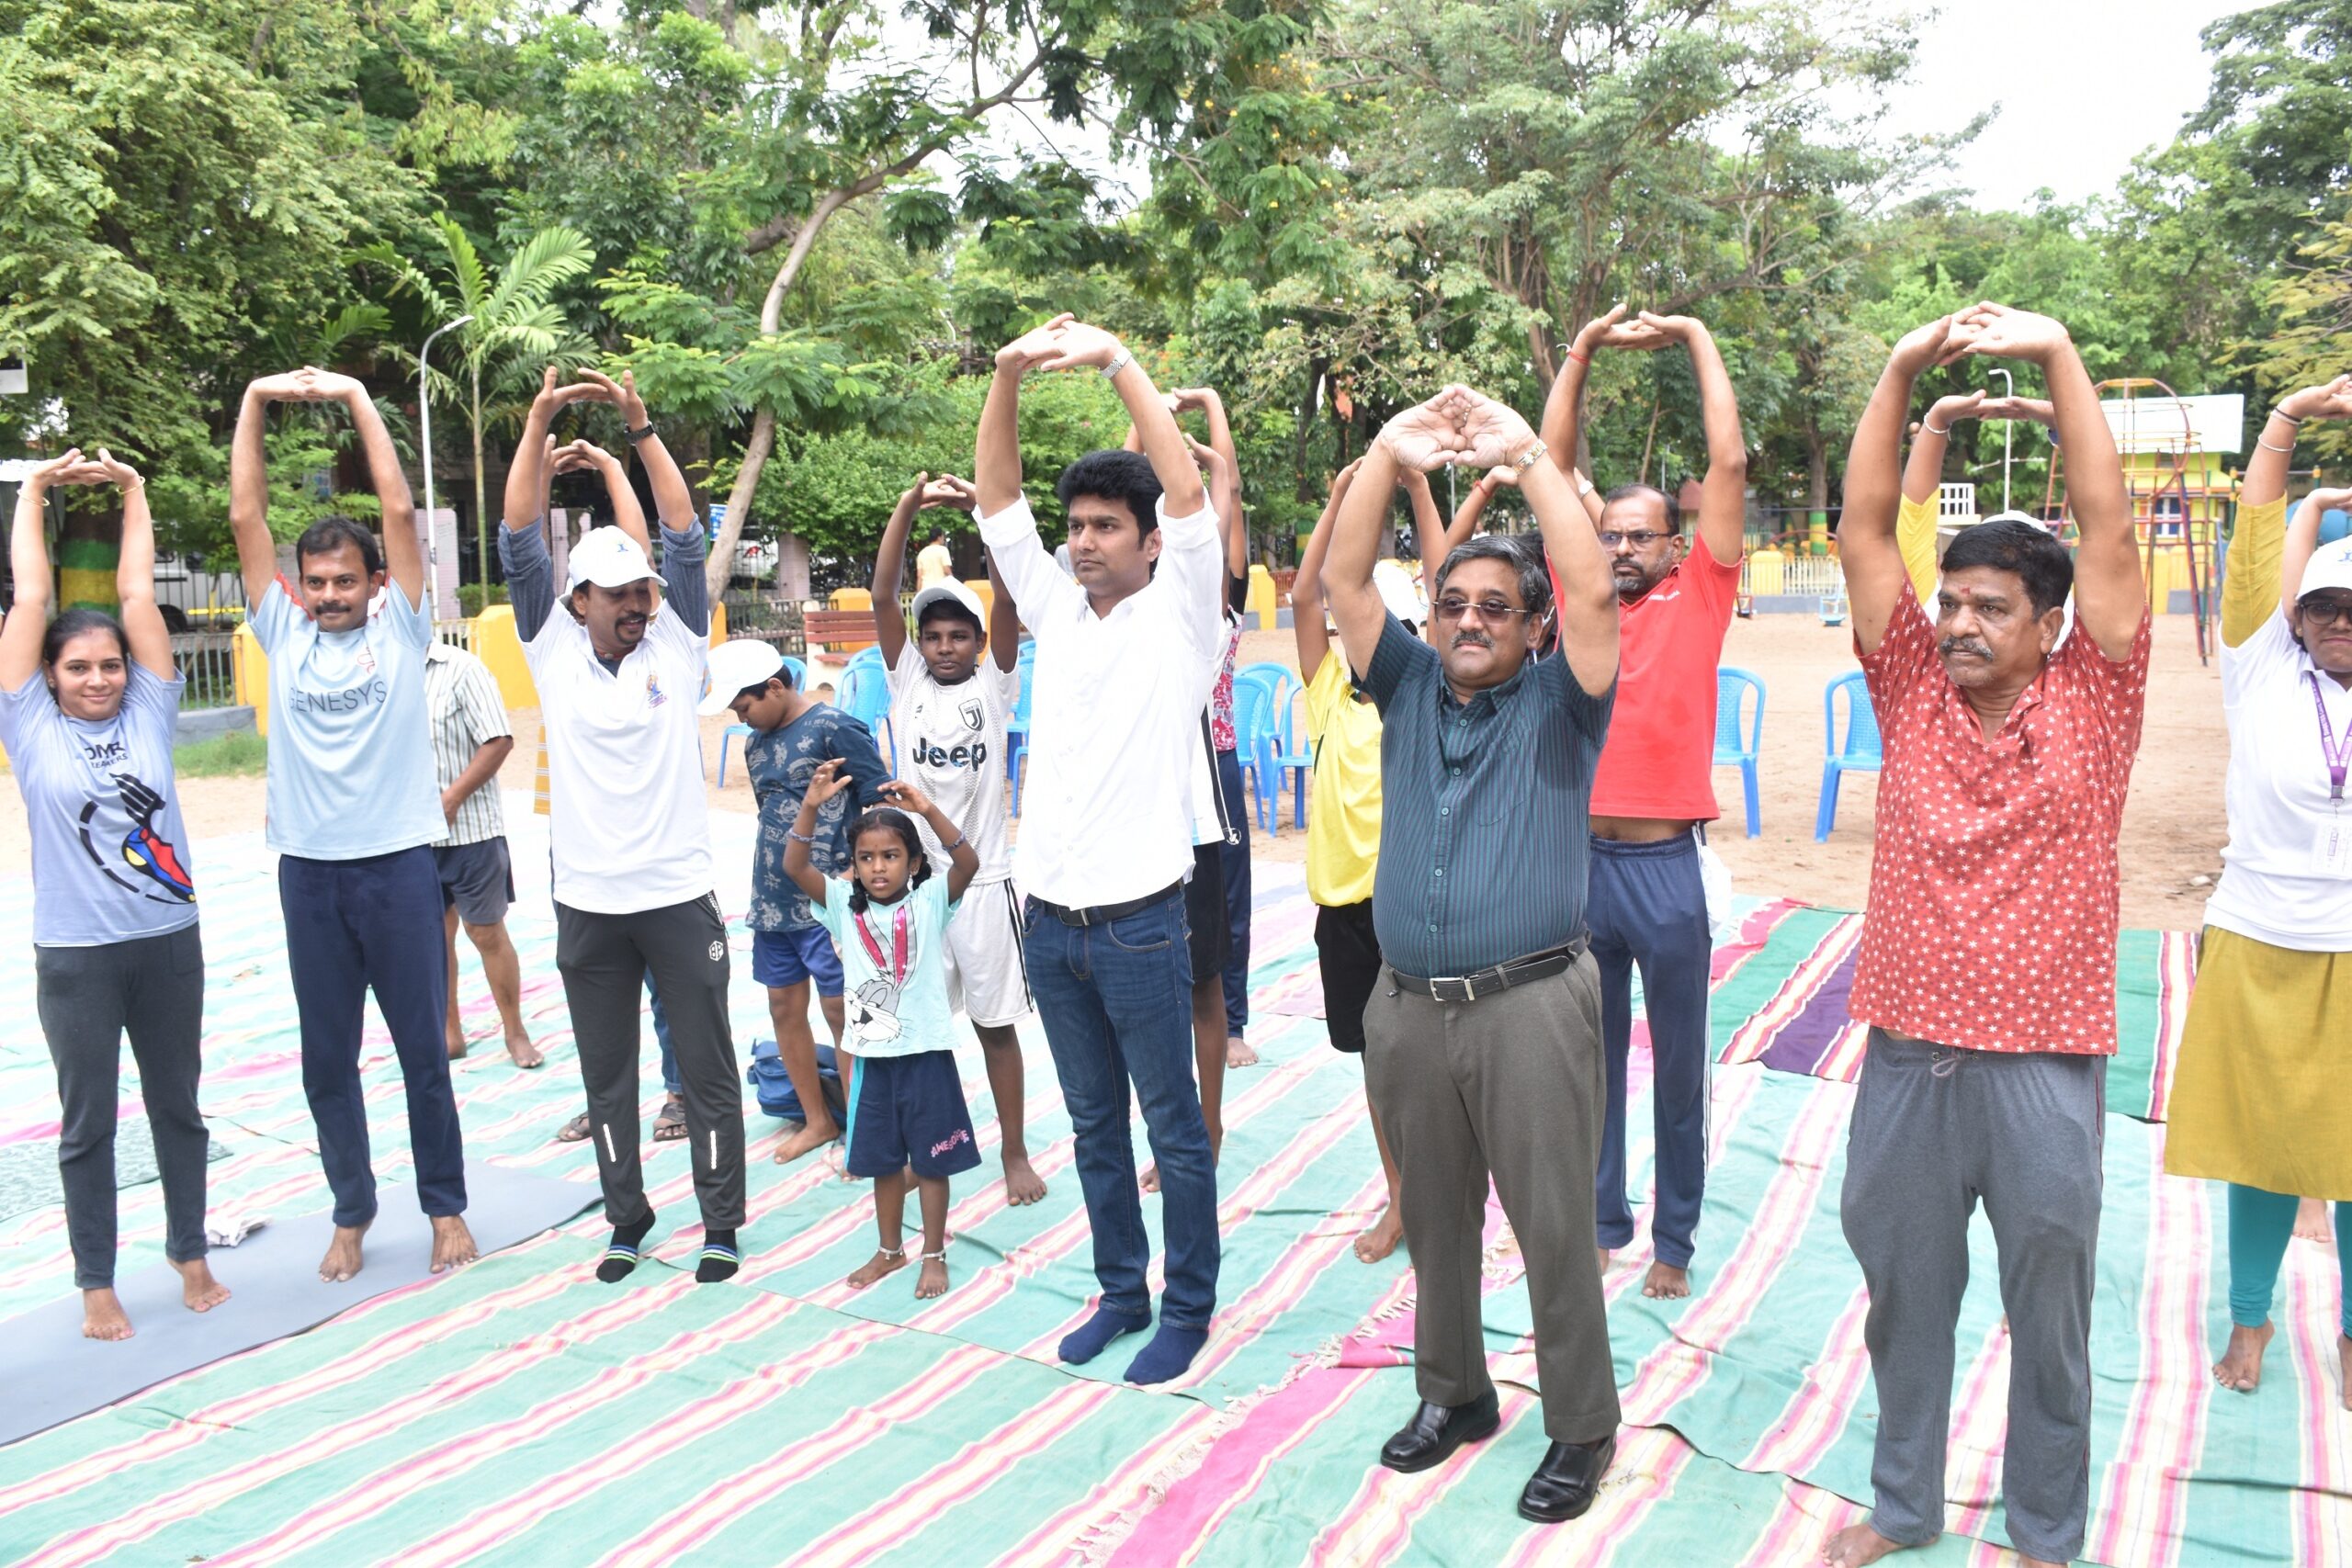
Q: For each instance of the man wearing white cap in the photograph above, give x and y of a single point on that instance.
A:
(791, 948)
(618, 673)
(952, 690)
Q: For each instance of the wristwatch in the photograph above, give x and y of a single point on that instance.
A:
(636, 436)
(1119, 362)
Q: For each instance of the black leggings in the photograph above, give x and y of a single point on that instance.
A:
(152, 989)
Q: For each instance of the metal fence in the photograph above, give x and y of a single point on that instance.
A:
(207, 661)
(457, 634)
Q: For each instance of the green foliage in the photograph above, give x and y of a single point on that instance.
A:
(472, 597)
(239, 754)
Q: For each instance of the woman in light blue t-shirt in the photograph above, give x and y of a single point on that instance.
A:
(87, 705)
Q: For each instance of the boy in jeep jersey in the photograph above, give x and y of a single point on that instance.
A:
(950, 694)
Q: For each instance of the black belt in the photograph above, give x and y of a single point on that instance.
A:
(1501, 977)
(1100, 914)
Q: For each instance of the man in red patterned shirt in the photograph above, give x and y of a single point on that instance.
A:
(1987, 965)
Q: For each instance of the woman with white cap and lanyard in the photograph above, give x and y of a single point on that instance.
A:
(2258, 1099)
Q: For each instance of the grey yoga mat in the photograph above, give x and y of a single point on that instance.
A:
(52, 1374)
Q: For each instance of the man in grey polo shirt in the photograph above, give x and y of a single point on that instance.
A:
(1483, 1046)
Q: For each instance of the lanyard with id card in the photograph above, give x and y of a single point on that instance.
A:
(2332, 845)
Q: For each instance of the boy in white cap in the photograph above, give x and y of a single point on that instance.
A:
(952, 690)
(618, 672)
(791, 736)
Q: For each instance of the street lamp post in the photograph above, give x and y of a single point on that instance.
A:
(424, 424)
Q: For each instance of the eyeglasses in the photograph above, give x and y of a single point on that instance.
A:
(2325, 611)
(1640, 539)
(1452, 607)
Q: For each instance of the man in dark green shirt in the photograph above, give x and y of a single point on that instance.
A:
(1483, 1045)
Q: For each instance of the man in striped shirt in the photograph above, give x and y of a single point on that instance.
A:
(471, 740)
(1482, 1038)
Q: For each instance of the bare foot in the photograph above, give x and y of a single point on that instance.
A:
(1238, 1053)
(1151, 1179)
(2240, 1367)
(198, 1289)
(1380, 1238)
(2310, 1222)
(102, 1317)
(886, 1260)
(456, 1044)
(1665, 1283)
(525, 1054)
(342, 1259)
(453, 1244)
(1022, 1183)
(1855, 1545)
(808, 1140)
(932, 1281)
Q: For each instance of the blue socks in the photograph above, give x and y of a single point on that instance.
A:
(1170, 1354)
(1090, 1338)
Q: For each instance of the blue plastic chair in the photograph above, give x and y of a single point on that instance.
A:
(1860, 747)
(1282, 683)
(1739, 743)
(1253, 734)
(799, 671)
(865, 695)
(1016, 728)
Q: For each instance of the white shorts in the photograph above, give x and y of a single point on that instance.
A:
(986, 974)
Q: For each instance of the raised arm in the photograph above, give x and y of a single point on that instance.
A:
(1587, 610)
(1019, 560)
(963, 860)
(28, 620)
(1423, 438)
(629, 513)
(890, 556)
(1432, 537)
(2248, 591)
(674, 503)
(535, 453)
(1306, 586)
(249, 479)
(1867, 553)
(1228, 506)
(134, 570)
(403, 555)
(1723, 494)
(1084, 347)
(2110, 596)
(1564, 404)
(827, 782)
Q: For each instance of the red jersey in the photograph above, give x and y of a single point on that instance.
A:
(1660, 757)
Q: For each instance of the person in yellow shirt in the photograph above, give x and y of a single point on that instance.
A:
(1343, 823)
(1923, 473)
(932, 563)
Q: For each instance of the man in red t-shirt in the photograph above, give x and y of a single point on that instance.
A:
(1987, 965)
(1654, 792)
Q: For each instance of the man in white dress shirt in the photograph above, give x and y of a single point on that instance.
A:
(1125, 657)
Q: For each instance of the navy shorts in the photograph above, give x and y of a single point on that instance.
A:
(910, 1111)
(1204, 918)
(787, 958)
(477, 880)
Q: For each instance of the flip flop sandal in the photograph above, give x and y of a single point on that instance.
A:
(574, 1131)
(670, 1126)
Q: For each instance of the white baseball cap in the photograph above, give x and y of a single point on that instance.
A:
(607, 558)
(735, 664)
(2330, 567)
(950, 590)
(1397, 596)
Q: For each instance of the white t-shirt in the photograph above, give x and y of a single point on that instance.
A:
(630, 825)
(2273, 888)
(951, 745)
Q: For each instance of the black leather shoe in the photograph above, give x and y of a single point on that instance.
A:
(1436, 1430)
(1564, 1483)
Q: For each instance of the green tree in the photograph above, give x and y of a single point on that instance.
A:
(508, 315)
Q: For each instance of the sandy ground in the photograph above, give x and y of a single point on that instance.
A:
(2173, 826)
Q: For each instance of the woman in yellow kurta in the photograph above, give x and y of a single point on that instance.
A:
(1923, 473)
(2262, 1098)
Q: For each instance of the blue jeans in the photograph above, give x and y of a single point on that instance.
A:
(1116, 1000)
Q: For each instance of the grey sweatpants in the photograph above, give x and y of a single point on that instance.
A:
(1511, 1084)
(1936, 1128)
(604, 960)
(153, 989)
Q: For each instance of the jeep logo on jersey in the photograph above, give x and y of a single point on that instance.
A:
(972, 715)
(929, 755)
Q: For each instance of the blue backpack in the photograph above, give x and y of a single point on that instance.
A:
(772, 1086)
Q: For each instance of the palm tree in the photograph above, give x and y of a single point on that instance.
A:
(513, 312)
